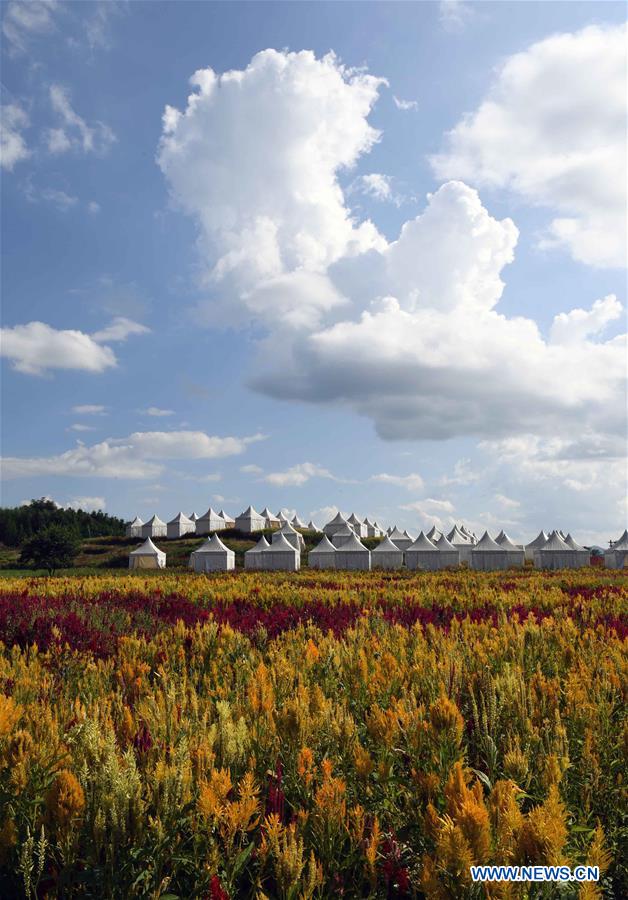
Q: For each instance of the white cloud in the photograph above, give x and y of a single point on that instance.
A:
(555, 134)
(405, 104)
(155, 411)
(575, 326)
(21, 21)
(57, 198)
(90, 409)
(130, 457)
(298, 475)
(507, 502)
(251, 469)
(119, 330)
(78, 426)
(93, 208)
(412, 482)
(273, 220)
(462, 474)
(455, 14)
(13, 147)
(87, 504)
(436, 512)
(75, 133)
(36, 347)
(375, 185)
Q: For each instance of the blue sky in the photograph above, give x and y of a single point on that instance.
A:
(228, 315)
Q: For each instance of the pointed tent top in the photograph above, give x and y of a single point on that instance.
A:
(486, 544)
(390, 529)
(226, 516)
(262, 544)
(456, 536)
(505, 543)
(396, 535)
(353, 545)
(180, 517)
(538, 541)
(250, 513)
(621, 543)
(212, 544)
(311, 526)
(287, 528)
(368, 523)
(211, 514)
(353, 520)
(386, 546)
(433, 533)
(555, 542)
(136, 521)
(407, 534)
(573, 544)
(443, 544)
(423, 543)
(338, 519)
(147, 549)
(377, 525)
(155, 520)
(192, 517)
(282, 516)
(266, 513)
(464, 531)
(561, 534)
(324, 546)
(297, 523)
(281, 545)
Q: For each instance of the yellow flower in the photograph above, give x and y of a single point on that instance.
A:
(446, 719)
(305, 764)
(10, 714)
(213, 794)
(544, 832)
(65, 800)
(364, 765)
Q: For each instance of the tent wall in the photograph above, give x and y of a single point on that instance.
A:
(430, 560)
(354, 561)
(387, 559)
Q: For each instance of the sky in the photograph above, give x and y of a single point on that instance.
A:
(317, 256)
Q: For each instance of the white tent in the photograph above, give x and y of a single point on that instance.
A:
(555, 554)
(617, 556)
(449, 555)
(134, 528)
(390, 529)
(228, 520)
(338, 523)
(154, 528)
(400, 539)
(282, 517)
(536, 544)
(311, 526)
(193, 517)
(352, 554)
(433, 534)
(281, 555)
(358, 525)
(386, 555)
(371, 528)
(462, 542)
(209, 521)
(297, 523)
(253, 557)
(323, 556)
(290, 533)
(179, 526)
(271, 520)
(423, 554)
(583, 557)
(487, 555)
(250, 520)
(212, 556)
(379, 531)
(516, 553)
(147, 556)
(341, 537)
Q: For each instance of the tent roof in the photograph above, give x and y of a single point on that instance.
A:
(539, 540)
(443, 544)
(352, 545)
(377, 525)
(423, 543)
(136, 521)
(433, 532)
(353, 520)
(297, 523)
(192, 517)
(180, 517)
(386, 546)
(505, 543)
(267, 513)
(211, 513)
(226, 516)
(324, 546)
(621, 543)
(407, 534)
(456, 536)
(573, 544)
(555, 542)
(287, 528)
(262, 544)
(281, 545)
(486, 544)
(250, 513)
(368, 522)
(155, 520)
(213, 544)
(396, 535)
(338, 519)
(311, 526)
(147, 549)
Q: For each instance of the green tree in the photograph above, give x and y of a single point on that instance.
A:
(53, 548)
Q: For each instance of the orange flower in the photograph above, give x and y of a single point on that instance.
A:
(65, 800)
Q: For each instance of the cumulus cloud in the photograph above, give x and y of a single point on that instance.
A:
(88, 504)
(251, 469)
(134, 457)
(22, 21)
(36, 347)
(579, 324)
(254, 158)
(74, 132)
(405, 105)
(412, 482)
(556, 136)
(298, 475)
(13, 147)
(454, 14)
(90, 409)
(375, 185)
(462, 474)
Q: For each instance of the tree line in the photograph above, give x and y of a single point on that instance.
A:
(19, 524)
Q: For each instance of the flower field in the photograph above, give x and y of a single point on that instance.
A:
(311, 735)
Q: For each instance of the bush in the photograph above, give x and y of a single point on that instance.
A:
(53, 548)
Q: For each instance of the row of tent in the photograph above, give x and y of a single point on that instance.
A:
(284, 553)
(248, 521)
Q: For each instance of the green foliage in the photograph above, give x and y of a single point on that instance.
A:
(20, 523)
(54, 548)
